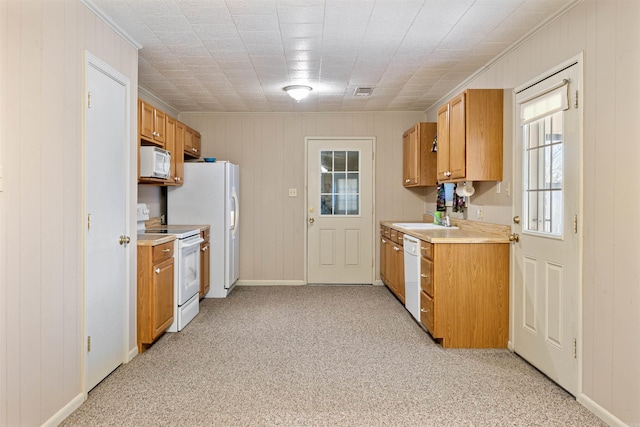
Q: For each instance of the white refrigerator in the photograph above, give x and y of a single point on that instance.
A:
(210, 195)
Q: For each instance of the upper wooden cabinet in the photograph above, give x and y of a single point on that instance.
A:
(158, 128)
(151, 124)
(175, 145)
(419, 162)
(192, 142)
(470, 137)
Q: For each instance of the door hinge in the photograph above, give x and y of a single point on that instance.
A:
(575, 224)
(89, 222)
(88, 99)
(89, 344)
(575, 102)
(575, 348)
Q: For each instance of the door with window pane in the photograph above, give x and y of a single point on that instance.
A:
(340, 211)
(546, 206)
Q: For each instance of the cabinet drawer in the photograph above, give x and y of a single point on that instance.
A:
(393, 235)
(162, 251)
(427, 313)
(426, 276)
(401, 238)
(427, 249)
(384, 231)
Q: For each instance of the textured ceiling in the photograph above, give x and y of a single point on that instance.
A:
(237, 55)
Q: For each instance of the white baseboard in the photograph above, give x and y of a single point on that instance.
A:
(598, 410)
(132, 353)
(270, 283)
(63, 413)
(378, 283)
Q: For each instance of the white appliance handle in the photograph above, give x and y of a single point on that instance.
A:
(190, 243)
(236, 212)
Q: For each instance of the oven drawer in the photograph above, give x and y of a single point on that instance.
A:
(163, 251)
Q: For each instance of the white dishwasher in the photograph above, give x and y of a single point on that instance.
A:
(412, 275)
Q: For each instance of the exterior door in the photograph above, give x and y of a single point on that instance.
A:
(546, 264)
(340, 211)
(106, 206)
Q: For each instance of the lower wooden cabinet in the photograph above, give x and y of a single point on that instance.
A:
(155, 292)
(392, 261)
(205, 263)
(464, 295)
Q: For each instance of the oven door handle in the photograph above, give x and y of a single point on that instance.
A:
(192, 243)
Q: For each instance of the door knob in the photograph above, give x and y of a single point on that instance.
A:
(124, 240)
(514, 237)
(311, 220)
(516, 219)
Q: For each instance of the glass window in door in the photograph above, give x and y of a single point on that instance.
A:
(340, 183)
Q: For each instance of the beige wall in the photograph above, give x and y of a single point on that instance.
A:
(270, 151)
(42, 45)
(608, 33)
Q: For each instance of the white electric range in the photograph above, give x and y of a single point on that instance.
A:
(186, 269)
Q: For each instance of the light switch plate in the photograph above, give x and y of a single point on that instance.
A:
(293, 192)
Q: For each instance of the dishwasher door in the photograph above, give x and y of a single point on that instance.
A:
(412, 275)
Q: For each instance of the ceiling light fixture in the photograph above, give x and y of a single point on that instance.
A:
(297, 92)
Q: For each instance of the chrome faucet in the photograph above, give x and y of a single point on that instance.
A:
(440, 221)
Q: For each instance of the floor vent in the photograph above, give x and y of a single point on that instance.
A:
(363, 91)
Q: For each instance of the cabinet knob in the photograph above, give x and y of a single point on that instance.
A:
(407, 180)
(193, 149)
(424, 276)
(395, 248)
(166, 250)
(203, 249)
(158, 270)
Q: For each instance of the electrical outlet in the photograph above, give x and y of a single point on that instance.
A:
(480, 213)
(293, 192)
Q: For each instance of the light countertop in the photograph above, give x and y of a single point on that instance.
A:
(154, 239)
(466, 233)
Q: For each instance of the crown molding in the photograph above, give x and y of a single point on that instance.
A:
(107, 20)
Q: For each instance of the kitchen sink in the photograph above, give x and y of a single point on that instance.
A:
(422, 226)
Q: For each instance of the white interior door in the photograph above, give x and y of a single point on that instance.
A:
(340, 210)
(106, 206)
(546, 264)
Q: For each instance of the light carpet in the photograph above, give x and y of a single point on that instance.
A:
(321, 356)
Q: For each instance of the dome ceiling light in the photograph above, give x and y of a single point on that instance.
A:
(297, 92)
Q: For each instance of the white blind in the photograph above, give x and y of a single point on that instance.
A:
(550, 101)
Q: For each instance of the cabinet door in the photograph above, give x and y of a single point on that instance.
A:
(443, 143)
(170, 146)
(160, 126)
(195, 143)
(457, 137)
(146, 120)
(205, 266)
(180, 135)
(410, 157)
(162, 296)
(399, 276)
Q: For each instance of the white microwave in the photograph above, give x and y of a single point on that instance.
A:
(154, 162)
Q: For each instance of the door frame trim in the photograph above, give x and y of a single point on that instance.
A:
(577, 60)
(91, 60)
(373, 141)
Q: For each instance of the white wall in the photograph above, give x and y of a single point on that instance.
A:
(270, 151)
(608, 33)
(42, 44)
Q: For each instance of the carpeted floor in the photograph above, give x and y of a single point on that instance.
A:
(321, 356)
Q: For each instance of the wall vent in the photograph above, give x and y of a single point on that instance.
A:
(363, 91)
